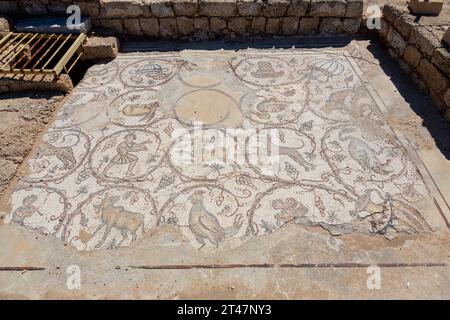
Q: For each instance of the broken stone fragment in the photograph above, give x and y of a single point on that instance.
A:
(99, 48)
(5, 27)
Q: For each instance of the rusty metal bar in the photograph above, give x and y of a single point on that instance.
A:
(31, 50)
(23, 53)
(76, 60)
(10, 49)
(73, 48)
(47, 51)
(9, 43)
(38, 50)
(56, 52)
(2, 40)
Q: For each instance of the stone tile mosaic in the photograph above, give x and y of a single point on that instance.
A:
(104, 173)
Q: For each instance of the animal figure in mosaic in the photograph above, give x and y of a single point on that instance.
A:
(295, 155)
(145, 112)
(336, 102)
(151, 70)
(363, 154)
(267, 107)
(205, 226)
(119, 218)
(64, 154)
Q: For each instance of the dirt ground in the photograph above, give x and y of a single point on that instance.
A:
(23, 117)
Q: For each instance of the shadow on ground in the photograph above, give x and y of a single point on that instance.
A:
(420, 103)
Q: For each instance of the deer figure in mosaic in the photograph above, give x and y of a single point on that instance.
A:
(119, 218)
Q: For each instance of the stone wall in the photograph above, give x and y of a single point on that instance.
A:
(206, 18)
(418, 47)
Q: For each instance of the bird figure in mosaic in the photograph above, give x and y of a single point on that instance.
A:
(205, 225)
(364, 155)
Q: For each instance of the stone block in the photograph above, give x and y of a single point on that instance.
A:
(217, 8)
(34, 8)
(186, 8)
(309, 26)
(327, 8)
(59, 7)
(290, 25)
(412, 56)
(132, 26)
(432, 77)
(447, 100)
(259, 25)
(426, 7)
(121, 8)
(425, 40)
(331, 26)
(249, 8)
(201, 23)
(217, 24)
(404, 25)
(185, 25)
(167, 27)
(392, 12)
(396, 41)
(8, 7)
(100, 48)
(354, 8)
(162, 8)
(275, 8)
(239, 25)
(150, 27)
(90, 9)
(299, 8)
(273, 25)
(5, 26)
(384, 29)
(446, 38)
(441, 59)
(114, 25)
(351, 25)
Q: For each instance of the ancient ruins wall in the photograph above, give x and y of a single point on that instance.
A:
(206, 18)
(418, 47)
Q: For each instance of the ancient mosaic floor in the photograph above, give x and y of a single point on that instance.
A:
(104, 174)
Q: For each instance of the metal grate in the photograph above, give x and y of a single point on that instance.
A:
(37, 53)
